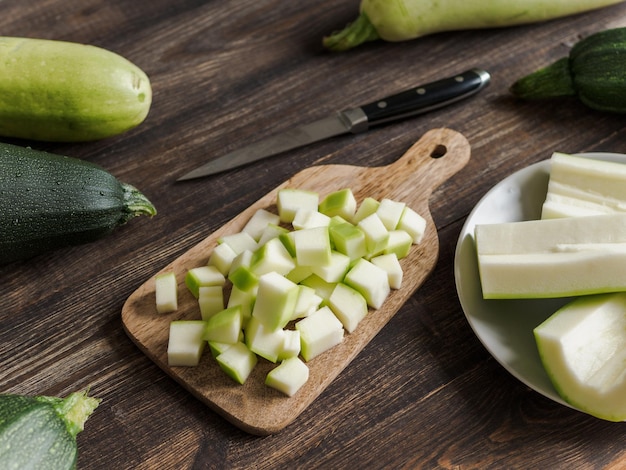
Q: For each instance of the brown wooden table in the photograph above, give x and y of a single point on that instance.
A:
(424, 393)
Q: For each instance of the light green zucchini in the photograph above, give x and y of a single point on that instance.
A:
(64, 91)
(402, 20)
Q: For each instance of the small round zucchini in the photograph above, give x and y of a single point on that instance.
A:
(40, 431)
(68, 92)
(48, 201)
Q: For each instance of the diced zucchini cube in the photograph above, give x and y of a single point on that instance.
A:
(186, 342)
(289, 200)
(370, 280)
(390, 264)
(291, 344)
(244, 300)
(273, 256)
(210, 300)
(221, 257)
(348, 305)
(319, 332)
(322, 288)
(399, 243)
(289, 242)
(272, 231)
(390, 212)
(308, 302)
(242, 259)
(244, 278)
(218, 348)
(335, 270)
(341, 203)
(348, 239)
(289, 376)
(238, 362)
(368, 206)
(259, 221)
(412, 223)
(275, 301)
(312, 246)
(299, 273)
(263, 341)
(166, 292)
(224, 326)
(376, 234)
(239, 242)
(309, 219)
(203, 276)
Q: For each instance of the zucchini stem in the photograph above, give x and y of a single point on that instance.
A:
(359, 31)
(136, 203)
(74, 409)
(549, 82)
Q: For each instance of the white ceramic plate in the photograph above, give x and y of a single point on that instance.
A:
(505, 327)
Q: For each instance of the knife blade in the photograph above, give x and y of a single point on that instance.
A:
(403, 105)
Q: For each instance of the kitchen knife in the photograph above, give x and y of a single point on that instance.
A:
(403, 105)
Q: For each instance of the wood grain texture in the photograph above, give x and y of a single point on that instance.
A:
(254, 407)
(424, 393)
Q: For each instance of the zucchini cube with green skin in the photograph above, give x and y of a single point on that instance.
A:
(244, 278)
(222, 257)
(348, 239)
(376, 234)
(275, 301)
(299, 273)
(368, 206)
(312, 246)
(218, 348)
(186, 342)
(321, 287)
(224, 326)
(210, 301)
(203, 276)
(309, 219)
(263, 341)
(390, 264)
(412, 223)
(237, 362)
(399, 243)
(289, 200)
(335, 270)
(289, 376)
(348, 305)
(272, 256)
(166, 292)
(308, 302)
(287, 239)
(256, 225)
(244, 300)
(319, 332)
(271, 231)
(370, 280)
(341, 203)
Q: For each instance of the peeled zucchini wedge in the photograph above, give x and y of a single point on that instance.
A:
(48, 201)
(61, 91)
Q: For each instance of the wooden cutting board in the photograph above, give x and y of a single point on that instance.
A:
(254, 407)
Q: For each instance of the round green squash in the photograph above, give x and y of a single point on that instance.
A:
(68, 92)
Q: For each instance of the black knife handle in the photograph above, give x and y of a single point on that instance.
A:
(426, 98)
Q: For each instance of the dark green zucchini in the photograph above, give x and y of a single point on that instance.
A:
(594, 72)
(50, 201)
(40, 432)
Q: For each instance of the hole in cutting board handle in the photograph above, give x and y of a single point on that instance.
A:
(439, 151)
